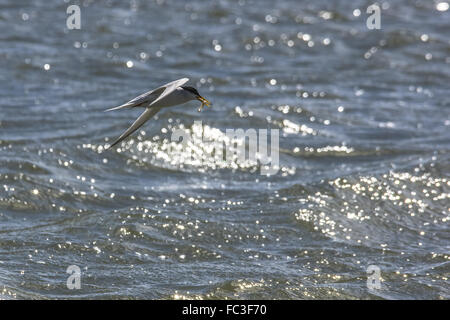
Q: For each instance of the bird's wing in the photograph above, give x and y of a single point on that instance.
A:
(151, 96)
(147, 114)
(169, 88)
(145, 98)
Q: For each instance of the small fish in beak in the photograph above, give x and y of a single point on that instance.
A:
(204, 102)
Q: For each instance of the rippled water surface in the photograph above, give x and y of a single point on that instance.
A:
(364, 150)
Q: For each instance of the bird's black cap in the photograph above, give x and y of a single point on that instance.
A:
(191, 89)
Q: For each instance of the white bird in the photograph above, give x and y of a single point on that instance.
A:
(168, 95)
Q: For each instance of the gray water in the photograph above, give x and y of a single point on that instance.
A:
(364, 150)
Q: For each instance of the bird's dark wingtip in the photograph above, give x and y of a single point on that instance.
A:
(108, 146)
(113, 144)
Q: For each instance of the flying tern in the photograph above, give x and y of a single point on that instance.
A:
(168, 95)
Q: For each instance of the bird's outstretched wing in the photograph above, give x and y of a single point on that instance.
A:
(147, 114)
(150, 97)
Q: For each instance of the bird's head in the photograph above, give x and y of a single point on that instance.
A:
(196, 96)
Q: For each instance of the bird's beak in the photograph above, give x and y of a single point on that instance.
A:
(203, 101)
